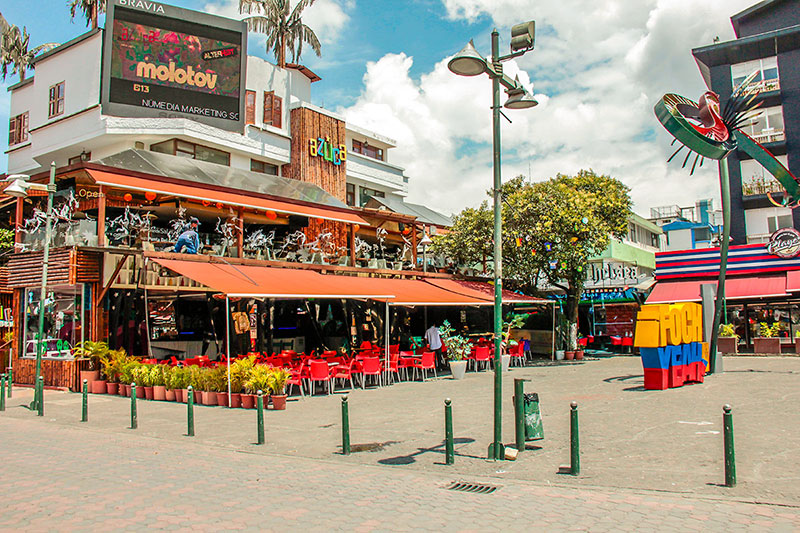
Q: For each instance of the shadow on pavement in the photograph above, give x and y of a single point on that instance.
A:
(438, 449)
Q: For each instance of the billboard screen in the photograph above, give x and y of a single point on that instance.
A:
(164, 61)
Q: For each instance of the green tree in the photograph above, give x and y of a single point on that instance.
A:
(91, 10)
(283, 27)
(15, 50)
(550, 231)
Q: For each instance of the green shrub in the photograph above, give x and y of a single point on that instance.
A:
(767, 330)
(277, 380)
(727, 330)
(259, 379)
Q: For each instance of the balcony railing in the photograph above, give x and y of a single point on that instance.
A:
(763, 86)
(769, 136)
(757, 185)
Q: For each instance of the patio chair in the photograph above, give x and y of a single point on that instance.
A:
(424, 363)
(394, 365)
(319, 371)
(345, 372)
(482, 355)
(405, 361)
(371, 366)
(296, 380)
(517, 354)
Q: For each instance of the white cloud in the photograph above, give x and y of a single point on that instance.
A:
(602, 73)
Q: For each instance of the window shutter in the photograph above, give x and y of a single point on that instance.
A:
(250, 107)
(268, 107)
(277, 108)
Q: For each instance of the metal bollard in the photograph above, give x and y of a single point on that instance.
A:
(190, 411)
(134, 416)
(575, 452)
(519, 412)
(345, 426)
(40, 403)
(449, 448)
(85, 402)
(730, 454)
(260, 408)
(10, 380)
(2, 392)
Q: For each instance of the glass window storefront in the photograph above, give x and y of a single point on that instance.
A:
(747, 320)
(64, 316)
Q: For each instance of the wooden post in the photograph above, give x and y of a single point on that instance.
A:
(240, 233)
(101, 217)
(414, 243)
(18, 222)
(352, 228)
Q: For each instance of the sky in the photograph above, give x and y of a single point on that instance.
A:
(597, 70)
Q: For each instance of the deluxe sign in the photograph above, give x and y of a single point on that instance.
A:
(322, 147)
(670, 341)
(167, 62)
(785, 243)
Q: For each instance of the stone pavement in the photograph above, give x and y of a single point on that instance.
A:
(645, 454)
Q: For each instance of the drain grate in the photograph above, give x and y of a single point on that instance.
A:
(474, 488)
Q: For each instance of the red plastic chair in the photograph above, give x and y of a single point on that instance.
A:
(405, 360)
(394, 364)
(319, 371)
(345, 372)
(517, 354)
(482, 355)
(371, 366)
(424, 363)
(296, 380)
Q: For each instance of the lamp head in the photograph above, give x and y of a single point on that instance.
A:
(520, 100)
(425, 241)
(468, 62)
(14, 177)
(17, 189)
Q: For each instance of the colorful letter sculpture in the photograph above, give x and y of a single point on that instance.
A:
(670, 341)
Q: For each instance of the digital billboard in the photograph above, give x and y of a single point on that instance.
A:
(163, 61)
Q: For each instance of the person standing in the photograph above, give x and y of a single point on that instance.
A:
(434, 340)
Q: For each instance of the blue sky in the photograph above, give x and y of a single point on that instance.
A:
(598, 68)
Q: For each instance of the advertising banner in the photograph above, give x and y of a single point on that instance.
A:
(167, 62)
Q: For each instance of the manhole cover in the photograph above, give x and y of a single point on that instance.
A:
(474, 488)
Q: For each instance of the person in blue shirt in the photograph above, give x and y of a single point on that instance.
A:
(189, 240)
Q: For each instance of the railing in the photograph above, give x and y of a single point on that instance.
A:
(769, 136)
(763, 86)
(758, 185)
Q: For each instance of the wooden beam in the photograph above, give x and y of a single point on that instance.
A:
(352, 228)
(113, 277)
(101, 218)
(414, 243)
(240, 233)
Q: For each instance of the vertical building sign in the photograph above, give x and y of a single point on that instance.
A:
(167, 62)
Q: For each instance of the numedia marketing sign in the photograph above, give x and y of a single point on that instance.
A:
(163, 61)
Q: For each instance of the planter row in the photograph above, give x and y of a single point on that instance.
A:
(160, 393)
(760, 345)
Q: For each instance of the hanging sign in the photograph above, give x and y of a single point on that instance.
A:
(322, 147)
(785, 243)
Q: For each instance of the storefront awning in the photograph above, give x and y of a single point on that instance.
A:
(482, 290)
(124, 181)
(740, 288)
(793, 281)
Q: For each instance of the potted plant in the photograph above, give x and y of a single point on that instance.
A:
(768, 341)
(196, 380)
(169, 385)
(259, 381)
(458, 348)
(218, 378)
(126, 376)
(569, 355)
(158, 380)
(181, 379)
(277, 384)
(240, 374)
(112, 368)
(141, 376)
(94, 353)
(728, 340)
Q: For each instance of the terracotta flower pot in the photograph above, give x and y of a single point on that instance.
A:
(578, 355)
(236, 400)
(181, 395)
(160, 393)
(248, 401)
(222, 399)
(140, 392)
(169, 395)
(198, 397)
(209, 398)
(112, 388)
(279, 402)
(728, 344)
(569, 355)
(148, 393)
(90, 376)
(98, 386)
(767, 345)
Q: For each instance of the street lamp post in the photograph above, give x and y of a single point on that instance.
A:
(425, 242)
(468, 62)
(19, 189)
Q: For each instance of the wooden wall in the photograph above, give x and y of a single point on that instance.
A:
(67, 266)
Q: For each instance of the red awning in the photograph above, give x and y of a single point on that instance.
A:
(482, 290)
(238, 198)
(739, 288)
(793, 281)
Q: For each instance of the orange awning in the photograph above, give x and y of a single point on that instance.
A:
(482, 290)
(412, 292)
(194, 192)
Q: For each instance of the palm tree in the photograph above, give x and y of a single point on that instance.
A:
(282, 28)
(91, 10)
(14, 50)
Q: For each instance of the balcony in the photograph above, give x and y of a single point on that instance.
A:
(763, 86)
(758, 185)
(768, 136)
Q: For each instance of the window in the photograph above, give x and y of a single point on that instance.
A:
(366, 194)
(272, 109)
(78, 158)
(757, 180)
(654, 240)
(56, 106)
(779, 222)
(351, 194)
(263, 168)
(702, 234)
(364, 148)
(18, 129)
(767, 74)
(250, 107)
(767, 126)
(192, 151)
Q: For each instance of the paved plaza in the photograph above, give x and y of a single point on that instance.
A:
(651, 459)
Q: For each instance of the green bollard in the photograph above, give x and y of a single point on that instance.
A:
(730, 455)
(134, 417)
(190, 410)
(10, 381)
(345, 426)
(519, 412)
(575, 453)
(2, 392)
(40, 403)
(85, 403)
(449, 448)
(260, 408)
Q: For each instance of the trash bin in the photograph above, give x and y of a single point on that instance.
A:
(533, 417)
